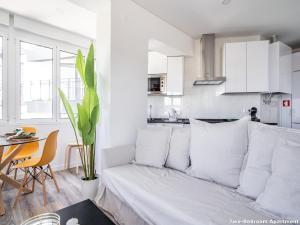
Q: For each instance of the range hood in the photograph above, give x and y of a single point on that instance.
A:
(207, 54)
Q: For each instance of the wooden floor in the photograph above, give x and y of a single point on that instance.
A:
(32, 204)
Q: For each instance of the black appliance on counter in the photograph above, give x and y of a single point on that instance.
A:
(252, 113)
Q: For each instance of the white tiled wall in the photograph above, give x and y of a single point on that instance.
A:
(201, 102)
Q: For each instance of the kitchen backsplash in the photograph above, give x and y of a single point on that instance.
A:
(202, 102)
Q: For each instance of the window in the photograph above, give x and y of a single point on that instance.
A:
(1, 78)
(70, 82)
(36, 81)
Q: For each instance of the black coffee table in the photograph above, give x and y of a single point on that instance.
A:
(86, 212)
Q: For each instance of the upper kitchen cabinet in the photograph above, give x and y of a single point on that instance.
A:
(280, 65)
(245, 66)
(296, 62)
(234, 67)
(157, 63)
(256, 67)
(175, 75)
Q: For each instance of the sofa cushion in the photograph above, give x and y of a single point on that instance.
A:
(179, 155)
(218, 150)
(169, 197)
(262, 141)
(282, 193)
(152, 146)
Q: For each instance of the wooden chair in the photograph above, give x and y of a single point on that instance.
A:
(26, 153)
(40, 167)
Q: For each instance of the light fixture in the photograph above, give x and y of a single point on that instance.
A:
(226, 2)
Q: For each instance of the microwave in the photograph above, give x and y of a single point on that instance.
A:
(157, 84)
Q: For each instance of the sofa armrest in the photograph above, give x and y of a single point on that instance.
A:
(117, 156)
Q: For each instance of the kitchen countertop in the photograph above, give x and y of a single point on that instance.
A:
(187, 121)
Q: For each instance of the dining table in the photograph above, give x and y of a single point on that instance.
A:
(19, 144)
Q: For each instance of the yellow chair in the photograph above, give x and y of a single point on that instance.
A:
(40, 167)
(26, 153)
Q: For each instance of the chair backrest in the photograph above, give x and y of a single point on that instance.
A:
(49, 149)
(29, 148)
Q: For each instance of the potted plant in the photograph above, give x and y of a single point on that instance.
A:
(85, 123)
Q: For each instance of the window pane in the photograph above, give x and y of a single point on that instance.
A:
(1, 78)
(70, 82)
(36, 81)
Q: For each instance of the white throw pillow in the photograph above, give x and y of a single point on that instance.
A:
(152, 146)
(217, 150)
(262, 141)
(179, 155)
(282, 193)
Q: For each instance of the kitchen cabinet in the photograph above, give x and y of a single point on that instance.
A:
(296, 100)
(256, 67)
(296, 62)
(234, 67)
(175, 75)
(157, 63)
(280, 65)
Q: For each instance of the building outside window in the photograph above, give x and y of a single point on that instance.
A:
(70, 81)
(36, 81)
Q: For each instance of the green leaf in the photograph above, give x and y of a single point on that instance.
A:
(83, 122)
(90, 138)
(89, 68)
(68, 109)
(90, 99)
(80, 65)
(86, 102)
(95, 99)
(95, 115)
(95, 81)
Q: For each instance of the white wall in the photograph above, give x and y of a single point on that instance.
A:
(124, 73)
(201, 101)
(42, 29)
(123, 35)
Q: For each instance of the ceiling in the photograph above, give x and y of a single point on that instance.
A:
(60, 13)
(91, 5)
(194, 17)
(239, 17)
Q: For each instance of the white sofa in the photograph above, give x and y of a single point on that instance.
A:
(142, 195)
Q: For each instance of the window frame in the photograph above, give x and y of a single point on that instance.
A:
(4, 36)
(68, 48)
(43, 42)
